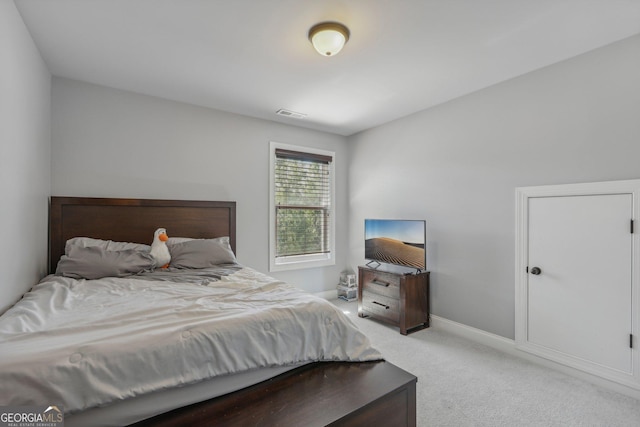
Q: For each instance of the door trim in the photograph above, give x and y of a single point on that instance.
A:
(523, 194)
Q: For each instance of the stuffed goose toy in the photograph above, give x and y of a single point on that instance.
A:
(159, 249)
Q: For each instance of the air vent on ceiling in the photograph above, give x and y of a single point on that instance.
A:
(289, 113)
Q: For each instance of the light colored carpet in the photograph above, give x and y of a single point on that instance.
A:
(462, 383)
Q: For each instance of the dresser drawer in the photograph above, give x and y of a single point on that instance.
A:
(381, 306)
(381, 283)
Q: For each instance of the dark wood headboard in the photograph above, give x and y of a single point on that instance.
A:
(135, 220)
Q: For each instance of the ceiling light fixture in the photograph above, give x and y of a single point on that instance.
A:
(328, 38)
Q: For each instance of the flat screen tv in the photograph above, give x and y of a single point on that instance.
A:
(393, 241)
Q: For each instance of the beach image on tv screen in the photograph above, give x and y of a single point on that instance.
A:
(400, 242)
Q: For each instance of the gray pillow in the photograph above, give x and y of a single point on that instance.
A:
(201, 253)
(94, 262)
(108, 245)
(174, 240)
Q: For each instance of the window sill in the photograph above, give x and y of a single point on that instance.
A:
(300, 264)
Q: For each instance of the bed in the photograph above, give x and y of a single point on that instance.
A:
(130, 355)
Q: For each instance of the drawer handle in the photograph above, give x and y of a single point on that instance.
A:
(380, 283)
(384, 305)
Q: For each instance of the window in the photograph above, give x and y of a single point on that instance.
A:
(302, 211)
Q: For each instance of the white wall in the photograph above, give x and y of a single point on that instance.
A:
(113, 143)
(457, 166)
(25, 152)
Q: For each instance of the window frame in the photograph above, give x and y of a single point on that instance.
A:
(300, 261)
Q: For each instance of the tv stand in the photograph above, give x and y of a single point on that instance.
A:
(396, 298)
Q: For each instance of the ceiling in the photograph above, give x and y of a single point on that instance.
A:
(253, 57)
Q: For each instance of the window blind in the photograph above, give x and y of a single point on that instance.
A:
(303, 203)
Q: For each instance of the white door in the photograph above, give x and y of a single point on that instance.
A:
(580, 277)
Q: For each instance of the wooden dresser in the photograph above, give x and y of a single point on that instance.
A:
(400, 299)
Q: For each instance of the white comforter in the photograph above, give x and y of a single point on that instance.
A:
(86, 343)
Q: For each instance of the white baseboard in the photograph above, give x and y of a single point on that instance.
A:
(509, 346)
(474, 334)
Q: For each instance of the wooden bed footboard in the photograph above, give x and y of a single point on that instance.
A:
(364, 394)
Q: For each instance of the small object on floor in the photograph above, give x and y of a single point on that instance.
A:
(347, 293)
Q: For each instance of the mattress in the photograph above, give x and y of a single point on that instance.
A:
(92, 344)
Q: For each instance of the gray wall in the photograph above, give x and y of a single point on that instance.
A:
(457, 166)
(25, 99)
(113, 143)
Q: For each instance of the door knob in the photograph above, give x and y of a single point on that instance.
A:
(536, 270)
